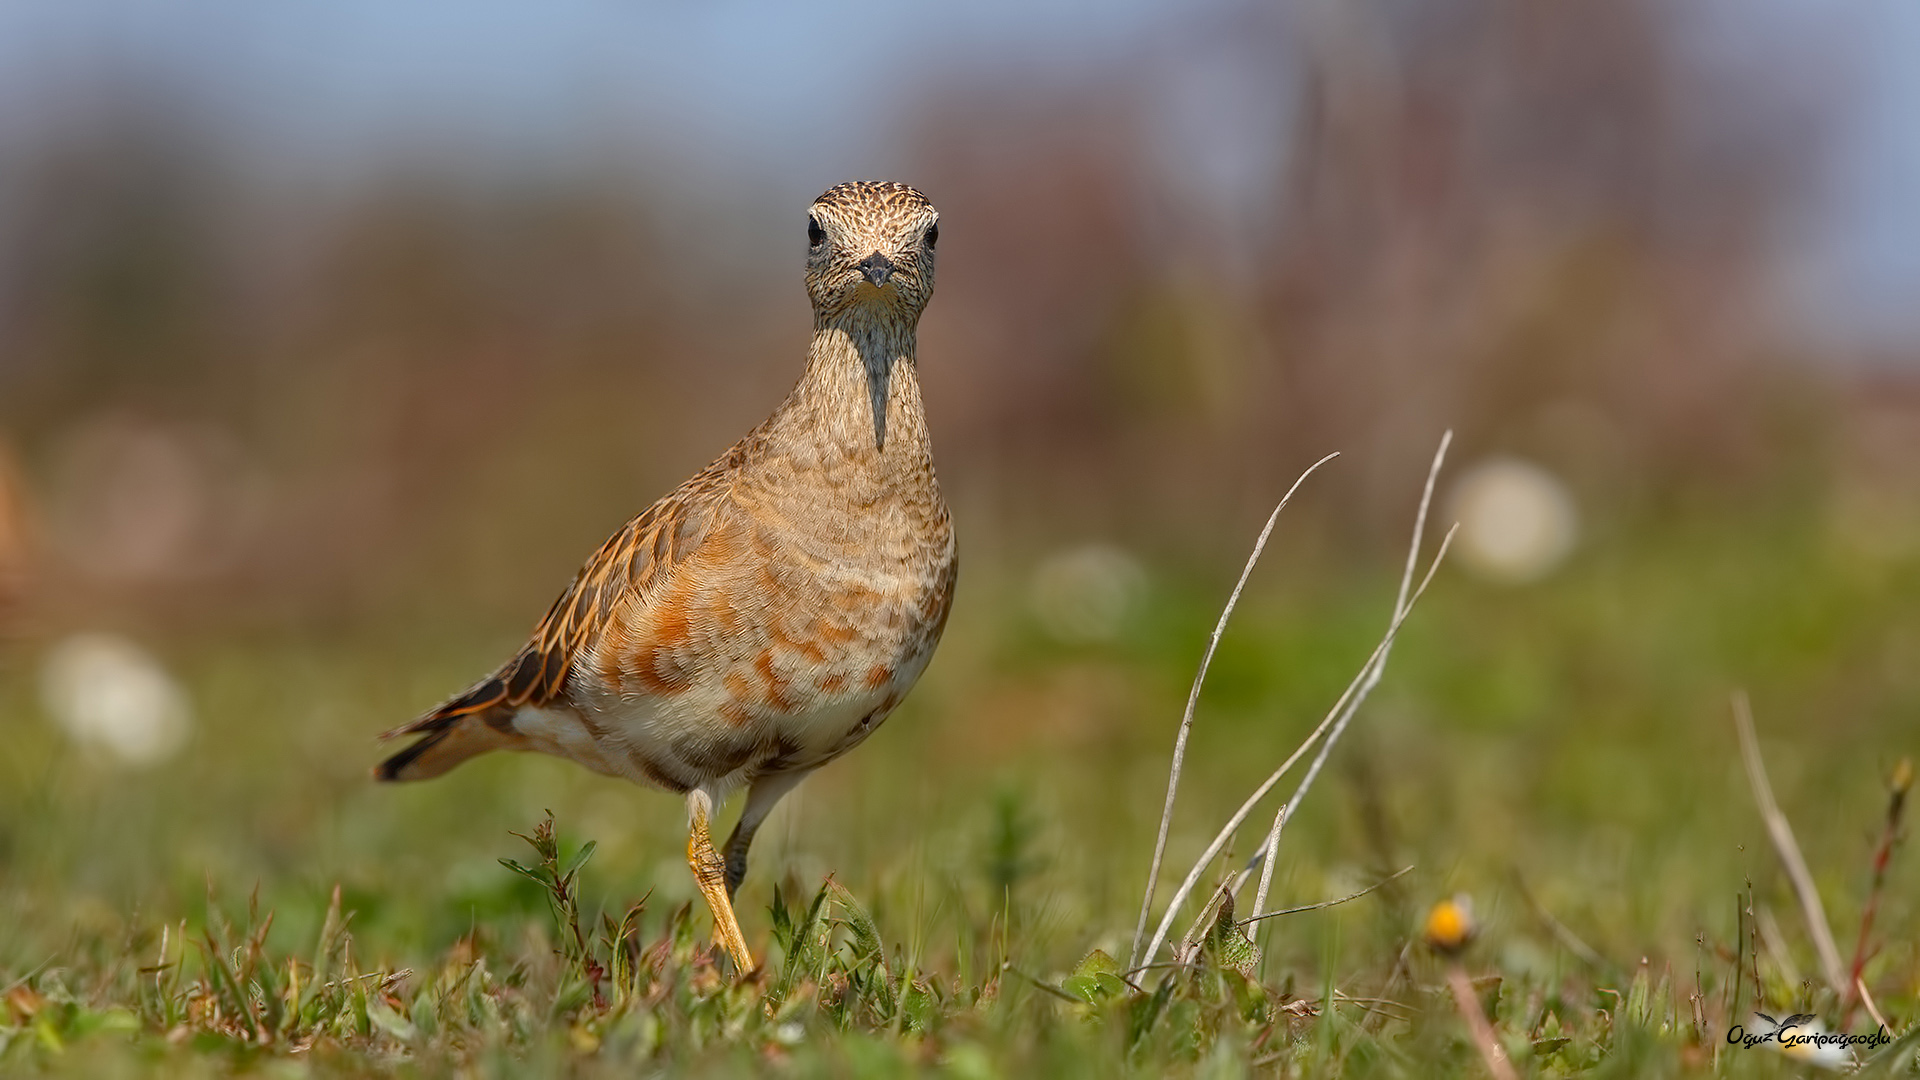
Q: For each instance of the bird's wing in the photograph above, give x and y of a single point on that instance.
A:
(635, 559)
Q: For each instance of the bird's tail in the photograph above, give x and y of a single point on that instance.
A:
(473, 723)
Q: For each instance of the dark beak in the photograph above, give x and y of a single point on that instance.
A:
(878, 268)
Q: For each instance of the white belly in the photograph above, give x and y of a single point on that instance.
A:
(675, 743)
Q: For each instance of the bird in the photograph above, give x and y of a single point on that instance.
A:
(768, 614)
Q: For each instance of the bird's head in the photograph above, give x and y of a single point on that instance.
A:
(870, 246)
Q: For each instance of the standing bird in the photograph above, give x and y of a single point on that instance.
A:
(766, 616)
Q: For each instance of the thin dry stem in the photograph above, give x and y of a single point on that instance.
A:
(1373, 677)
(1268, 855)
(1271, 851)
(1239, 816)
(1395, 876)
(1866, 999)
(1789, 850)
(1193, 701)
(1336, 718)
(1483, 1037)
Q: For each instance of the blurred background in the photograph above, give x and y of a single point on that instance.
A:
(334, 336)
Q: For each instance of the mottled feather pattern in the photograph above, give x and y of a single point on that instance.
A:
(646, 549)
(631, 559)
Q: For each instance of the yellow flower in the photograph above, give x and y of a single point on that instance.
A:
(1449, 925)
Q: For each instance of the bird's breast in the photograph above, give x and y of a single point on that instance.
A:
(782, 644)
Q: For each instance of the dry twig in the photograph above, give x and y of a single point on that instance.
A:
(1789, 850)
(1396, 875)
(1193, 700)
(1484, 1038)
(1400, 606)
(1336, 718)
(1866, 999)
(1226, 832)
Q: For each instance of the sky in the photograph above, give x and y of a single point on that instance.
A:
(1863, 262)
(807, 94)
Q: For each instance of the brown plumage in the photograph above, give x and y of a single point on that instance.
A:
(766, 616)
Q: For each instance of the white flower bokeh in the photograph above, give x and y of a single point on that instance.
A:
(1518, 522)
(112, 696)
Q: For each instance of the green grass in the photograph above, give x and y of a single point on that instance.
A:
(945, 900)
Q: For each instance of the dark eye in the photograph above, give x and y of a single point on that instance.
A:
(815, 234)
(933, 235)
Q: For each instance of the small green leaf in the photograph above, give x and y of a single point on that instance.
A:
(1083, 987)
(579, 860)
(866, 935)
(539, 876)
(1096, 979)
(1230, 946)
(1637, 997)
(1147, 1010)
(1097, 962)
(812, 937)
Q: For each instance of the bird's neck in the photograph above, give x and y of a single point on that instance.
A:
(861, 389)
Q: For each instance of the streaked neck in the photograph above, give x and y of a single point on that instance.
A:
(861, 378)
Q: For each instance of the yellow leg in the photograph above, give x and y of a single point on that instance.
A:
(710, 872)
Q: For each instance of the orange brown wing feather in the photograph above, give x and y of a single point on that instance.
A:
(632, 560)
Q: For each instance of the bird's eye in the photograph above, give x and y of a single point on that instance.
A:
(815, 234)
(933, 235)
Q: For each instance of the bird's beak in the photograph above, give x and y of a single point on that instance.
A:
(878, 268)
